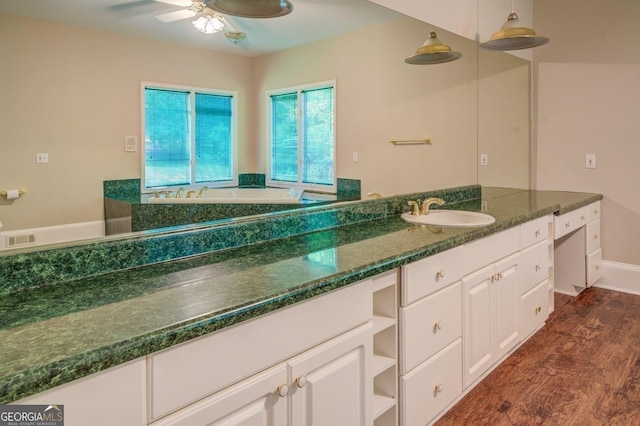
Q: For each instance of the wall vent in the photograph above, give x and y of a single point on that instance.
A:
(20, 240)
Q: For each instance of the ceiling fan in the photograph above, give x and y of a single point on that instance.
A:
(209, 21)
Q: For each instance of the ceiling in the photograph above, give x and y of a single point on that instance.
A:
(311, 20)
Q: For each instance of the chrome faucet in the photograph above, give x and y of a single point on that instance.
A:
(179, 192)
(204, 188)
(428, 202)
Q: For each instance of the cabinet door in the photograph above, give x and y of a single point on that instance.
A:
(257, 401)
(506, 287)
(331, 384)
(478, 323)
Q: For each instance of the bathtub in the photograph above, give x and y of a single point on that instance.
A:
(238, 196)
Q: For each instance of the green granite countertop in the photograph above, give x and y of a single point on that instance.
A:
(54, 334)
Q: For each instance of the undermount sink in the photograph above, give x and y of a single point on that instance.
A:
(453, 218)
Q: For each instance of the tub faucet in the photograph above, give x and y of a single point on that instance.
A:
(179, 192)
(428, 202)
(204, 188)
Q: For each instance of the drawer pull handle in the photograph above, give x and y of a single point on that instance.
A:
(437, 326)
(538, 309)
(567, 225)
(439, 274)
(596, 212)
(595, 237)
(301, 381)
(538, 267)
(283, 390)
(582, 218)
(538, 232)
(438, 389)
(597, 267)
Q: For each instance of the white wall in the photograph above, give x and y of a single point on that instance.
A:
(379, 97)
(587, 86)
(75, 94)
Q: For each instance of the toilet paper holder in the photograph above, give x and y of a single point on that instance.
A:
(4, 193)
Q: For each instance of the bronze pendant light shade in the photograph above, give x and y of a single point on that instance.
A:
(514, 36)
(251, 8)
(433, 52)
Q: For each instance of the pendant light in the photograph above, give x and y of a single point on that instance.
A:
(514, 35)
(433, 52)
(251, 8)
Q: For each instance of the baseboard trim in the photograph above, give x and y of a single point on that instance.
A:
(621, 277)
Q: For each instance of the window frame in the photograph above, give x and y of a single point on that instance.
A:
(192, 135)
(316, 187)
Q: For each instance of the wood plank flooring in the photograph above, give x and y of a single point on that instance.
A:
(582, 368)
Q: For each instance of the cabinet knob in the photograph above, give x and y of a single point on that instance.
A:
(437, 326)
(583, 218)
(596, 211)
(437, 389)
(567, 225)
(283, 390)
(595, 237)
(597, 267)
(538, 267)
(440, 274)
(538, 309)
(301, 381)
(538, 233)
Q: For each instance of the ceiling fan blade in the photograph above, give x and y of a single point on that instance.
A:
(183, 3)
(176, 16)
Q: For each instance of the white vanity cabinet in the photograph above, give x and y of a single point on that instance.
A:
(385, 349)
(492, 315)
(275, 365)
(578, 256)
(112, 397)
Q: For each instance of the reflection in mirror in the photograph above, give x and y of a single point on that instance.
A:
(76, 96)
(504, 120)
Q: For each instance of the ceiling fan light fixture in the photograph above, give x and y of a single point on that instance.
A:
(433, 52)
(514, 36)
(208, 23)
(251, 8)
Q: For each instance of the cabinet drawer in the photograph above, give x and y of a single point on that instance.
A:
(432, 386)
(569, 222)
(429, 325)
(594, 267)
(535, 306)
(535, 265)
(534, 231)
(185, 373)
(426, 276)
(593, 236)
(594, 211)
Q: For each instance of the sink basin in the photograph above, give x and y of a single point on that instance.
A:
(454, 218)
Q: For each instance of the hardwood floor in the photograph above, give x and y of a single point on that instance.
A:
(582, 368)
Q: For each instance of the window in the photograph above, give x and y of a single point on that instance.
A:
(302, 137)
(188, 136)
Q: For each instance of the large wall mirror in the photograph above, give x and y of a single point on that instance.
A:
(74, 93)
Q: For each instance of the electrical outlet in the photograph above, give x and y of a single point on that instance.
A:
(590, 162)
(42, 158)
(484, 159)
